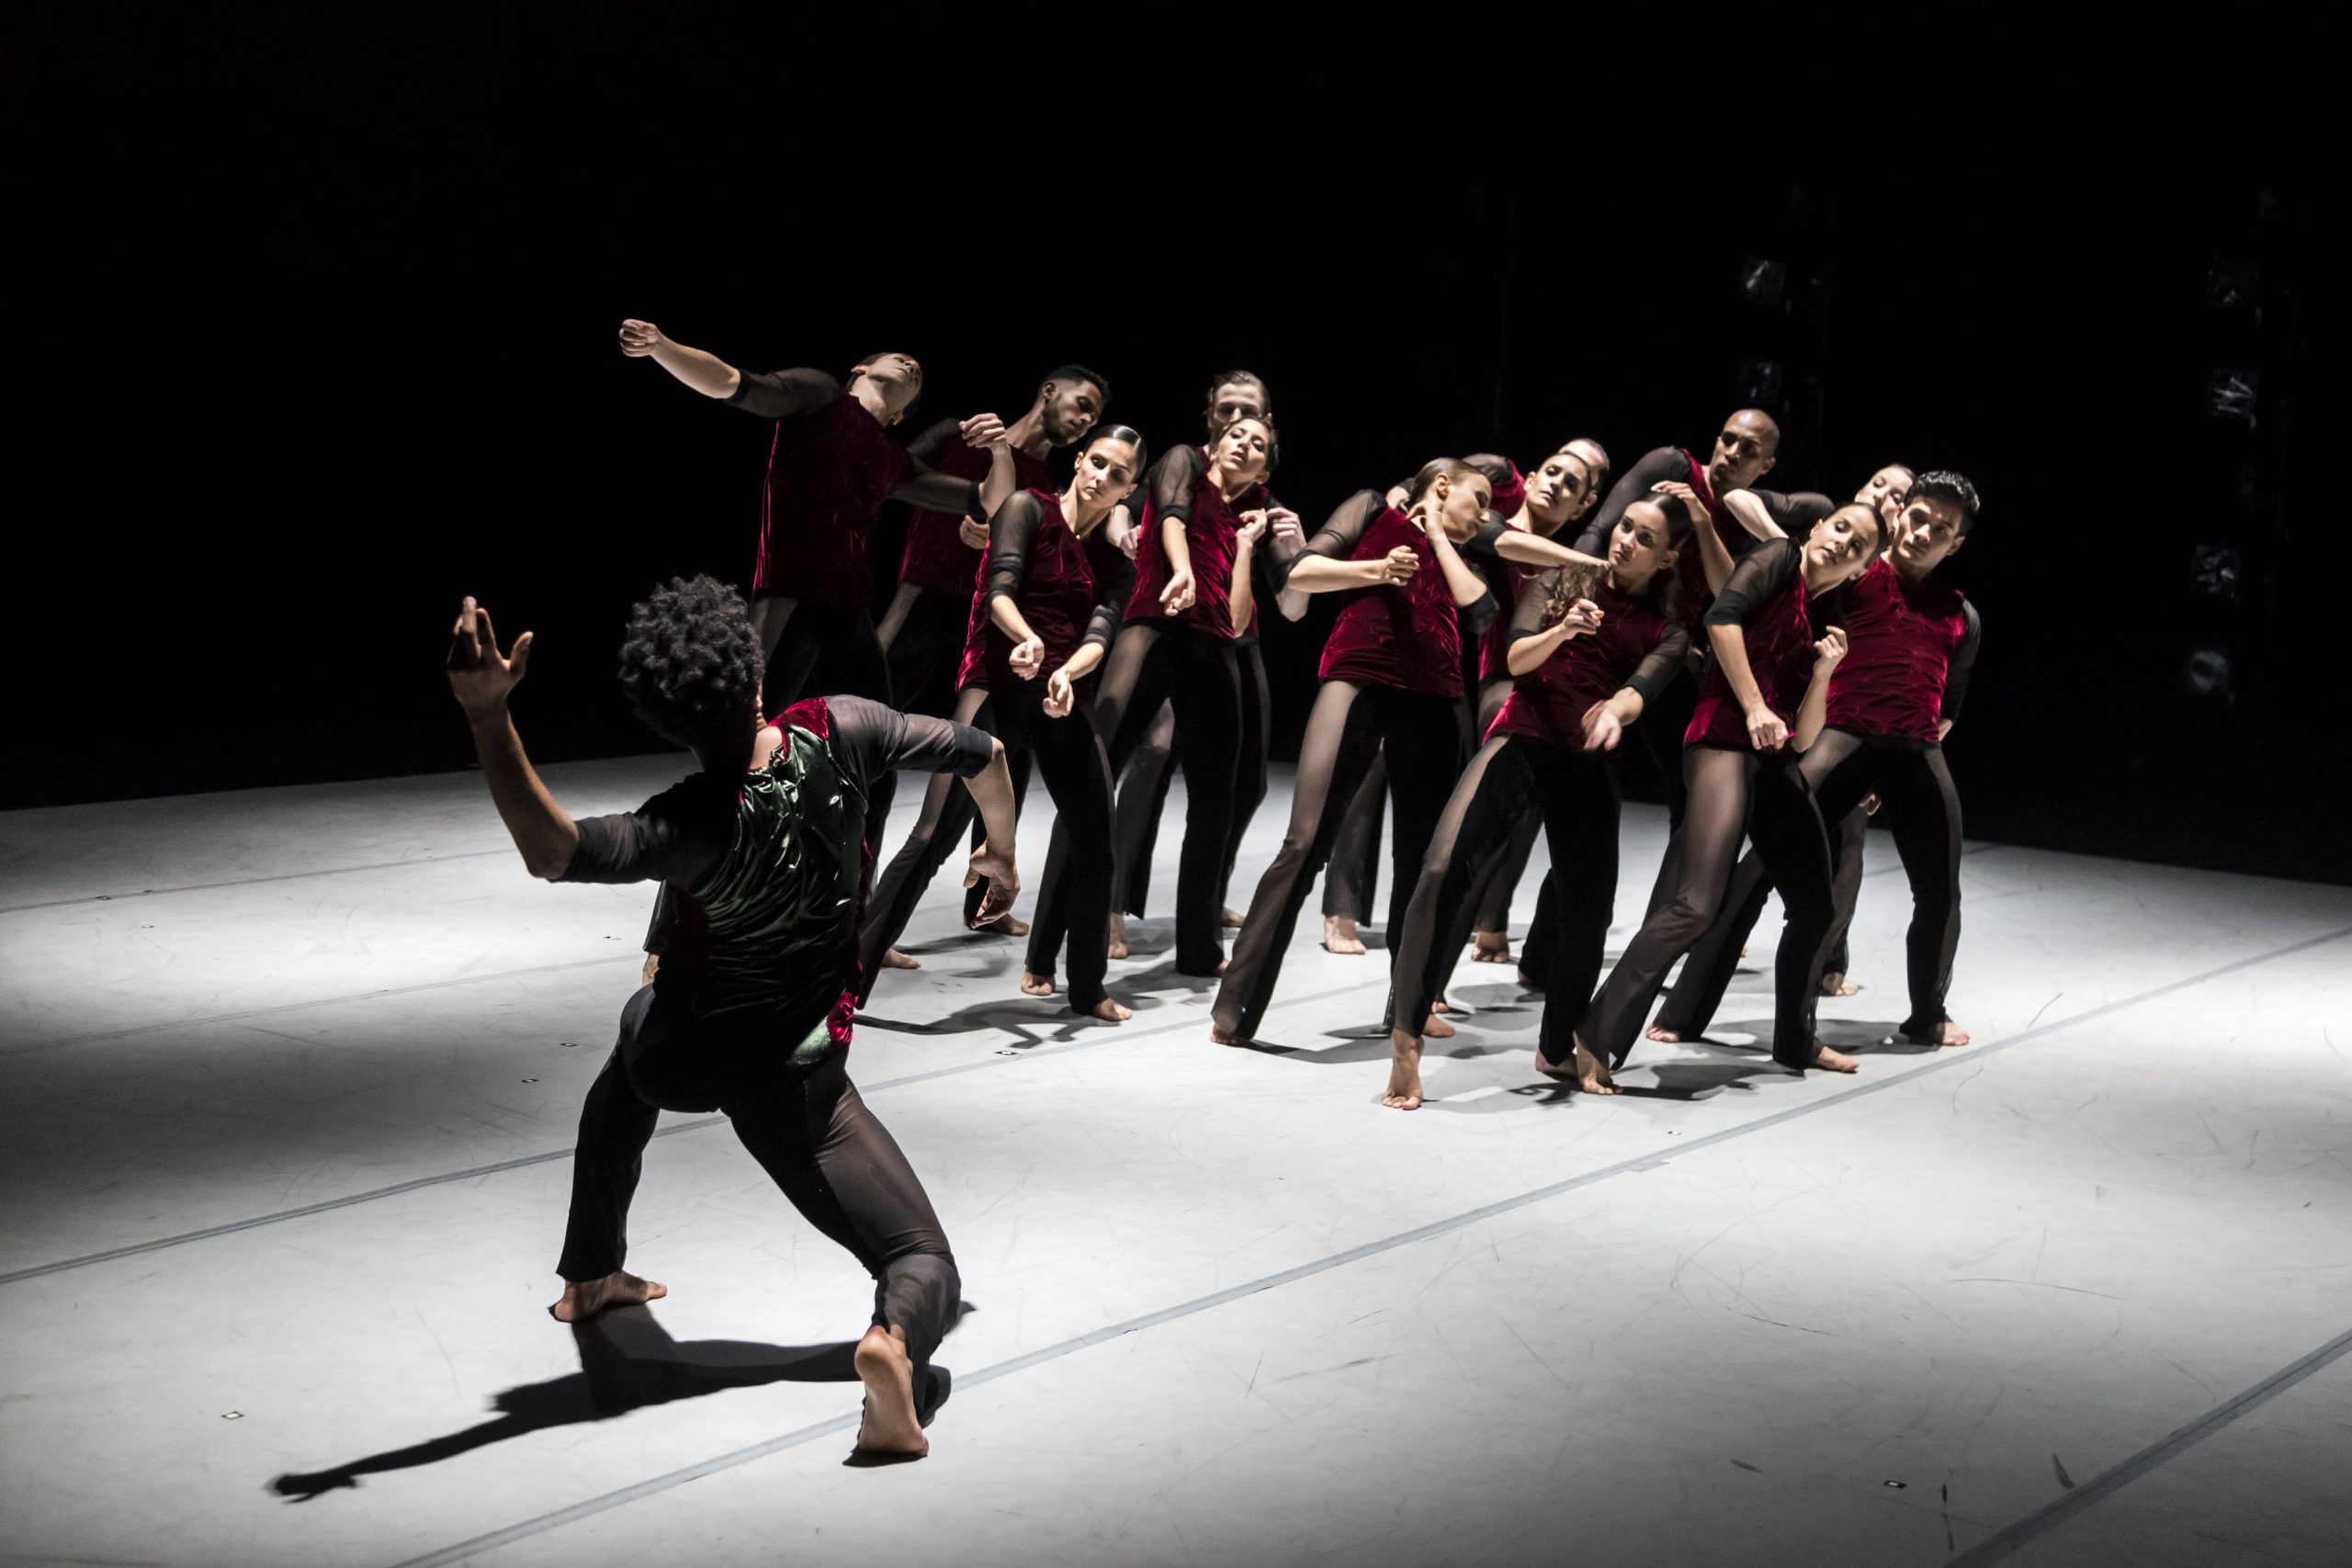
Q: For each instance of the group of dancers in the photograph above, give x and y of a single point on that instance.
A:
(1787, 663)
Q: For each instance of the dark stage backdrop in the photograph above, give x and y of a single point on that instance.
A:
(319, 334)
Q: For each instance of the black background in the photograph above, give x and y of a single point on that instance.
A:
(314, 328)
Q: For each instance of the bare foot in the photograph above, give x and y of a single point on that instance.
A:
(1945, 1033)
(1339, 935)
(1437, 1029)
(1493, 947)
(584, 1299)
(894, 959)
(1584, 1069)
(1036, 985)
(1232, 919)
(1118, 935)
(1440, 1005)
(1668, 1036)
(1005, 925)
(1835, 1060)
(1222, 1036)
(1109, 1011)
(1834, 984)
(890, 1427)
(1403, 1072)
(652, 964)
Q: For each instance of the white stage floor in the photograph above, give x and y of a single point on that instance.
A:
(290, 1079)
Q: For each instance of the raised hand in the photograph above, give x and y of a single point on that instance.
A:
(982, 430)
(1177, 597)
(1283, 523)
(479, 676)
(1253, 529)
(1602, 729)
(1060, 694)
(1003, 883)
(973, 532)
(1584, 617)
(1120, 529)
(1829, 649)
(1398, 567)
(640, 339)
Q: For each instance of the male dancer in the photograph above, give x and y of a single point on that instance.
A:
(829, 470)
(761, 860)
(922, 631)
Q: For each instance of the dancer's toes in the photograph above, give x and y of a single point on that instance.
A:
(1947, 1033)
(1437, 1029)
(1034, 985)
(1339, 935)
(1109, 1011)
(1493, 947)
(1835, 985)
(890, 1427)
(1118, 948)
(894, 959)
(1403, 1091)
(1659, 1032)
(1005, 925)
(583, 1299)
(1220, 1036)
(1592, 1073)
(1835, 1061)
(1232, 919)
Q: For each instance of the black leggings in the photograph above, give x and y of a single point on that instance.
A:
(1919, 804)
(1144, 794)
(1494, 900)
(1352, 881)
(1348, 725)
(805, 1125)
(922, 642)
(1729, 792)
(1574, 795)
(1069, 755)
(1195, 669)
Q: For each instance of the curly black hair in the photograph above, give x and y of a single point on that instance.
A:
(1942, 484)
(691, 663)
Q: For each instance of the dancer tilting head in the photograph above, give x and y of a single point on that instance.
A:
(760, 858)
(1582, 666)
(1773, 655)
(830, 469)
(1047, 604)
(1912, 642)
(923, 632)
(1177, 645)
(1392, 674)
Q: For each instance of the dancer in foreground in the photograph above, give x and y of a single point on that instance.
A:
(761, 855)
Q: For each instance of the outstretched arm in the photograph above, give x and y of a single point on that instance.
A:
(481, 680)
(1324, 565)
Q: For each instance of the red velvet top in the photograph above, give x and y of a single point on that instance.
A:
(1062, 588)
(1179, 487)
(936, 555)
(1406, 637)
(827, 475)
(1635, 647)
(1901, 639)
(1766, 599)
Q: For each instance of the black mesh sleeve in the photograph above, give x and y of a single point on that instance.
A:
(1112, 589)
(931, 491)
(1660, 665)
(1010, 532)
(1172, 478)
(925, 448)
(1964, 660)
(1794, 513)
(1479, 613)
(675, 838)
(1344, 531)
(871, 741)
(1660, 464)
(1761, 573)
(1528, 617)
(782, 394)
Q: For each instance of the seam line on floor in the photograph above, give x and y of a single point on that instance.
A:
(248, 881)
(1095, 1039)
(1961, 1058)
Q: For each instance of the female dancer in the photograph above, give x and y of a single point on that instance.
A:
(1392, 674)
(1177, 646)
(1768, 674)
(1048, 602)
(1581, 670)
(760, 855)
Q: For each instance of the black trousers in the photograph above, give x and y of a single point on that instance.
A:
(1348, 724)
(1574, 795)
(1195, 670)
(922, 642)
(1921, 806)
(1144, 794)
(807, 1126)
(1068, 756)
(1731, 793)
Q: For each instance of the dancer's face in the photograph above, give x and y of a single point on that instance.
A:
(1461, 502)
(1596, 462)
(1106, 473)
(900, 378)
(1641, 546)
(1886, 492)
(1926, 531)
(1235, 399)
(1070, 409)
(1245, 450)
(1559, 490)
(1842, 544)
(1743, 451)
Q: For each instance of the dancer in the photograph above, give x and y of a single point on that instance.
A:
(829, 470)
(1913, 643)
(1177, 645)
(1143, 793)
(1760, 687)
(1392, 675)
(1582, 669)
(923, 632)
(761, 854)
(1048, 605)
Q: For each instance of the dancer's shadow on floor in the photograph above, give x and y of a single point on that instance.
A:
(627, 1360)
(1861, 1037)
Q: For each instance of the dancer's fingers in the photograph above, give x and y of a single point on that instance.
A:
(522, 655)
